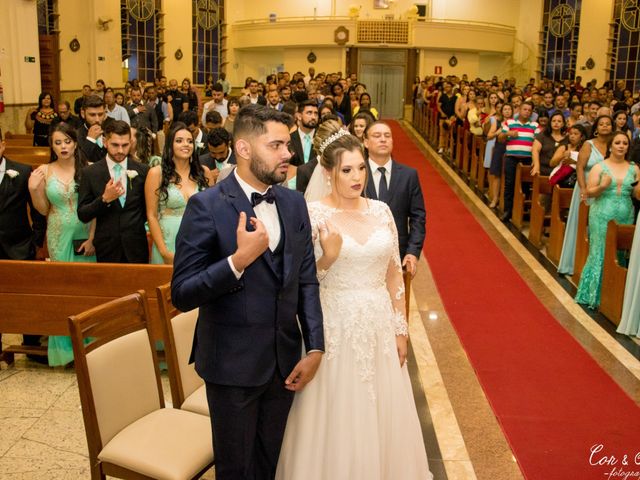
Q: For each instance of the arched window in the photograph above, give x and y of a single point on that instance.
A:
(141, 22)
(625, 48)
(561, 27)
(207, 17)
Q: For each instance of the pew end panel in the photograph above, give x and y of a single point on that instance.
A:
(521, 199)
(539, 217)
(560, 203)
(614, 275)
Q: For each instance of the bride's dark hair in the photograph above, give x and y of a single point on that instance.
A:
(330, 154)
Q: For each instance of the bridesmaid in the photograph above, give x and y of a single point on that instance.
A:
(591, 153)
(54, 191)
(168, 188)
(611, 182)
(630, 319)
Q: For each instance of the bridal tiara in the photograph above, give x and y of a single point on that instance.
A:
(332, 138)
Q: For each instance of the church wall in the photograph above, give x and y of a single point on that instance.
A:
(177, 35)
(592, 41)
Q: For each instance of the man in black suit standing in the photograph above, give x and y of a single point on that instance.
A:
(19, 238)
(398, 186)
(90, 138)
(304, 155)
(220, 154)
(112, 192)
(140, 113)
(244, 257)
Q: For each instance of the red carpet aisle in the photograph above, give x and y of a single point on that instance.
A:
(551, 398)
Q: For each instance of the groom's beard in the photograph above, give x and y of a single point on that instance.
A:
(269, 177)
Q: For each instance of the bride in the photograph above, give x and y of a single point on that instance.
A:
(357, 419)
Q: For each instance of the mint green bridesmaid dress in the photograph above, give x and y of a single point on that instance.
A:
(170, 213)
(610, 205)
(63, 227)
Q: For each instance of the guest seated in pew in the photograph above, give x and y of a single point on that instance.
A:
(19, 238)
(168, 188)
(611, 182)
(591, 153)
(546, 143)
(54, 191)
(112, 192)
(630, 318)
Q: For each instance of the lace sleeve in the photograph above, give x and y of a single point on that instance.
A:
(316, 215)
(395, 281)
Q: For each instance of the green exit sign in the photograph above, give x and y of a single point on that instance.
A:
(30, 59)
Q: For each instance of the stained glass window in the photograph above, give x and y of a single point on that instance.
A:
(141, 28)
(561, 27)
(206, 23)
(625, 47)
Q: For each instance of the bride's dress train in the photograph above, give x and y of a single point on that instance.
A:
(357, 419)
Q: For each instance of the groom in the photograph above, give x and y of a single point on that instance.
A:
(244, 256)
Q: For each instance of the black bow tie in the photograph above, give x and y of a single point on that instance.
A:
(257, 198)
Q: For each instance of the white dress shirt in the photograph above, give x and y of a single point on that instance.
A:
(124, 180)
(119, 113)
(266, 212)
(376, 175)
(3, 168)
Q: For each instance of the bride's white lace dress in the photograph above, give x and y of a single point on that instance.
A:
(357, 419)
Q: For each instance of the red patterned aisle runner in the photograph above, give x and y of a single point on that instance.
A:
(553, 401)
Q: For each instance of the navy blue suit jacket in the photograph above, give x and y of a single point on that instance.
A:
(246, 328)
(407, 206)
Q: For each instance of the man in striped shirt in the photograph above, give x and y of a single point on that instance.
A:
(519, 135)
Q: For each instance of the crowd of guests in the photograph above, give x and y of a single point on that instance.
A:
(123, 169)
(583, 137)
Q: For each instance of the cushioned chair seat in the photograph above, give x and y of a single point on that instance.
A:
(197, 402)
(161, 445)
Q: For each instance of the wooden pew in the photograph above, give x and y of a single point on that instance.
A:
(539, 217)
(465, 156)
(582, 242)
(19, 136)
(19, 142)
(33, 160)
(9, 151)
(477, 156)
(614, 275)
(38, 297)
(560, 203)
(521, 200)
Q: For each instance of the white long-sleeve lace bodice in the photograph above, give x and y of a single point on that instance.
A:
(362, 293)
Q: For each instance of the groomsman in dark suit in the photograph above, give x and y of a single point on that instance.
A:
(90, 138)
(112, 192)
(244, 256)
(19, 238)
(398, 186)
(220, 154)
(142, 114)
(304, 155)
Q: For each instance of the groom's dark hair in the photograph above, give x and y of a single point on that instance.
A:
(252, 119)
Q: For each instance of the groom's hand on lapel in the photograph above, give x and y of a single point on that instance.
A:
(303, 372)
(250, 244)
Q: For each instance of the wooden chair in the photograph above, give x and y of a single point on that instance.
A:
(614, 275)
(130, 434)
(539, 217)
(187, 388)
(560, 203)
(521, 200)
(582, 242)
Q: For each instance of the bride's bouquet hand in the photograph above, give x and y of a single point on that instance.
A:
(330, 240)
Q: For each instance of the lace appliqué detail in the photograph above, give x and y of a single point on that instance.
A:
(400, 325)
(360, 319)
